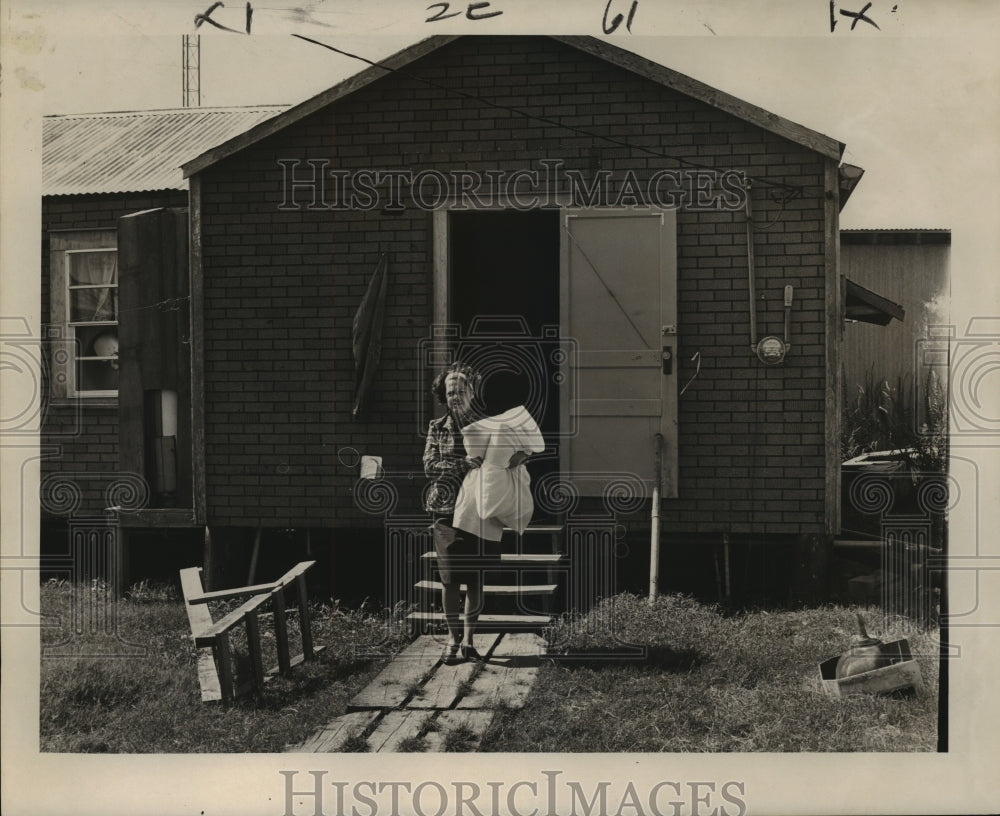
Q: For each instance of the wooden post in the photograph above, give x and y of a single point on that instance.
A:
(225, 666)
(304, 624)
(718, 573)
(207, 557)
(281, 630)
(120, 556)
(254, 554)
(725, 564)
(253, 647)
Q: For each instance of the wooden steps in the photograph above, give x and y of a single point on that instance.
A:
(519, 572)
(486, 620)
(418, 704)
(498, 589)
(516, 559)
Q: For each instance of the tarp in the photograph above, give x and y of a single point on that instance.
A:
(366, 337)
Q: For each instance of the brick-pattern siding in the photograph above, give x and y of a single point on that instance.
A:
(79, 437)
(281, 288)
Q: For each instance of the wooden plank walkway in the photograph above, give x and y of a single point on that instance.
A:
(332, 738)
(418, 704)
(401, 677)
(509, 675)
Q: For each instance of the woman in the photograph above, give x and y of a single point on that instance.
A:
(446, 464)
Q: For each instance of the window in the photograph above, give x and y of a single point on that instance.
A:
(92, 276)
(84, 309)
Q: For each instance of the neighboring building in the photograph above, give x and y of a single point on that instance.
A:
(97, 168)
(910, 267)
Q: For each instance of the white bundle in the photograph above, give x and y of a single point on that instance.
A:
(496, 495)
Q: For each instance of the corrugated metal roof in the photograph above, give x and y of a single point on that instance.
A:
(133, 151)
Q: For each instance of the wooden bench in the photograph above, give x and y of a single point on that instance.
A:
(215, 670)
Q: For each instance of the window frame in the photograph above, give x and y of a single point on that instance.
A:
(63, 246)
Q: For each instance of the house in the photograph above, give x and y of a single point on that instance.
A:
(97, 168)
(648, 264)
(632, 254)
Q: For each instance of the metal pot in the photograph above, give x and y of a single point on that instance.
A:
(864, 656)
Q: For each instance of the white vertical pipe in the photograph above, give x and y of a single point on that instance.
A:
(654, 533)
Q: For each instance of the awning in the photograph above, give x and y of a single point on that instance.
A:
(867, 307)
(849, 176)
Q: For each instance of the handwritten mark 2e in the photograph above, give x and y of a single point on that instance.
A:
(472, 12)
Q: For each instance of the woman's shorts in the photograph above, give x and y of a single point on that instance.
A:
(462, 557)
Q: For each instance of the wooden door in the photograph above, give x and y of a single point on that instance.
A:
(619, 304)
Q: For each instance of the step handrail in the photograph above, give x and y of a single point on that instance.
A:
(215, 672)
(256, 589)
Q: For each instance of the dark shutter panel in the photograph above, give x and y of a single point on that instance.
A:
(154, 397)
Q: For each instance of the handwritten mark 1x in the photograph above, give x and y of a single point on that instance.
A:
(859, 15)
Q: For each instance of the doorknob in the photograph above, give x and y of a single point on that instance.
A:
(668, 360)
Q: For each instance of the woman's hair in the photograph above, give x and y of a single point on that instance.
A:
(472, 377)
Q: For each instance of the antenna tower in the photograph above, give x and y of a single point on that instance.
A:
(191, 71)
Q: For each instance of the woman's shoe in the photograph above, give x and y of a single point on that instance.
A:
(451, 655)
(470, 653)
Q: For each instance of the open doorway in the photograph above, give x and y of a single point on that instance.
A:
(503, 293)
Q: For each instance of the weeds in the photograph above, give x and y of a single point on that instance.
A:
(459, 739)
(703, 681)
(881, 417)
(121, 676)
(355, 744)
(412, 745)
(712, 683)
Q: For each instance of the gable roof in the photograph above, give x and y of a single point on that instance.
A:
(811, 139)
(134, 151)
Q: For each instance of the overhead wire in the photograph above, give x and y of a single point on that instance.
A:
(790, 190)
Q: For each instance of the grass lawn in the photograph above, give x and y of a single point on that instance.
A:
(746, 682)
(711, 682)
(152, 703)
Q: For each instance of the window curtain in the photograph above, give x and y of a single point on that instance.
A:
(98, 270)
